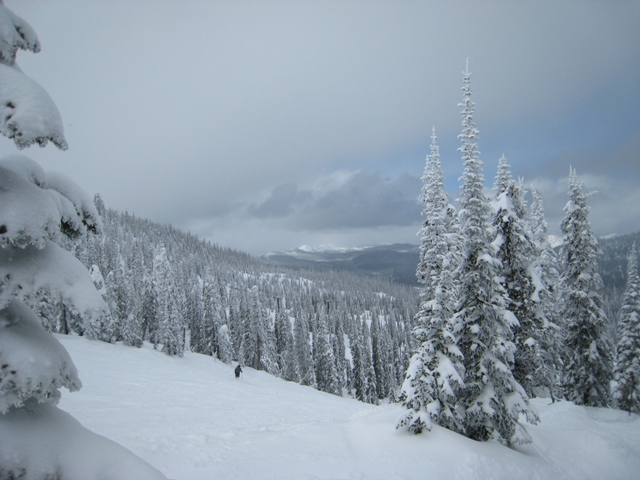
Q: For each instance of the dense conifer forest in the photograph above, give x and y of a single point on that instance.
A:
(339, 332)
(219, 295)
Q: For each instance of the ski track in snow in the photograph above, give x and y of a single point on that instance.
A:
(190, 418)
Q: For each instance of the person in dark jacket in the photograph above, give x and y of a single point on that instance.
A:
(238, 371)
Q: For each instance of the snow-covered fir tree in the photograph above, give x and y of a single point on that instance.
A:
(548, 290)
(225, 350)
(213, 320)
(371, 391)
(303, 351)
(149, 309)
(200, 324)
(589, 362)
(491, 397)
(38, 210)
(258, 342)
(435, 375)
(438, 221)
(363, 375)
(626, 384)
(324, 360)
(170, 327)
(381, 357)
(516, 251)
(285, 345)
(340, 351)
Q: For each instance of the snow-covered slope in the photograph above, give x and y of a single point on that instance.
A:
(191, 419)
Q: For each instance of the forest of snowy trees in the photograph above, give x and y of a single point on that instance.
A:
(336, 331)
(503, 316)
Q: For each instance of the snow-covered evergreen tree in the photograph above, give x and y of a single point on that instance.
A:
(285, 346)
(303, 351)
(545, 268)
(626, 384)
(170, 322)
(437, 234)
(237, 312)
(149, 309)
(324, 360)
(258, 343)
(381, 357)
(37, 210)
(491, 398)
(225, 350)
(363, 375)
(340, 351)
(589, 363)
(516, 251)
(210, 322)
(435, 374)
(200, 320)
(27, 113)
(371, 390)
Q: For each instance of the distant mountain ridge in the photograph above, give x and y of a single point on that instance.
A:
(396, 262)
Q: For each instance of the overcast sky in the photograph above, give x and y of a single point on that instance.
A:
(268, 125)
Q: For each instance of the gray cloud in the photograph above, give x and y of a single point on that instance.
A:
(613, 173)
(283, 201)
(198, 113)
(362, 200)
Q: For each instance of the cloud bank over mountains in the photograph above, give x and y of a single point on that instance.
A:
(265, 126)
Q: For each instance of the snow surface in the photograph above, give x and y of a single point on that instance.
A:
(190, 418)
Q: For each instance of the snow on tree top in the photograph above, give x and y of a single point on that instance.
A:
(15, 34)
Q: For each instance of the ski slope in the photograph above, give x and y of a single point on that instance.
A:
(191, 419)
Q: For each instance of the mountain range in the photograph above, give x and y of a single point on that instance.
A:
(398, 261)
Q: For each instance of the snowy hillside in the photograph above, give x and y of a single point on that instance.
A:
(191, 419)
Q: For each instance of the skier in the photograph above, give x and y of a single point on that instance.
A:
(238, 371)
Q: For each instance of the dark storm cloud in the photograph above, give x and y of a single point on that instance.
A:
(283, 201)
(363, 200)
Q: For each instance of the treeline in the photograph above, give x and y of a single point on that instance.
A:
(338, 332)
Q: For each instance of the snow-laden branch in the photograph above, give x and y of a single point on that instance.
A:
(35, 205)
(27, 112)
(34, 365)
(49, 270)
(15, 34)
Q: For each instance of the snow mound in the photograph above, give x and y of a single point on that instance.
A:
(54, 445)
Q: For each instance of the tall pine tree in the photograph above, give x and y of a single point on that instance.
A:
(435, 374)
(588, 368)
(324, 360)
(170, 323)
(548, 292)
(516, 249)
(491, 398)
